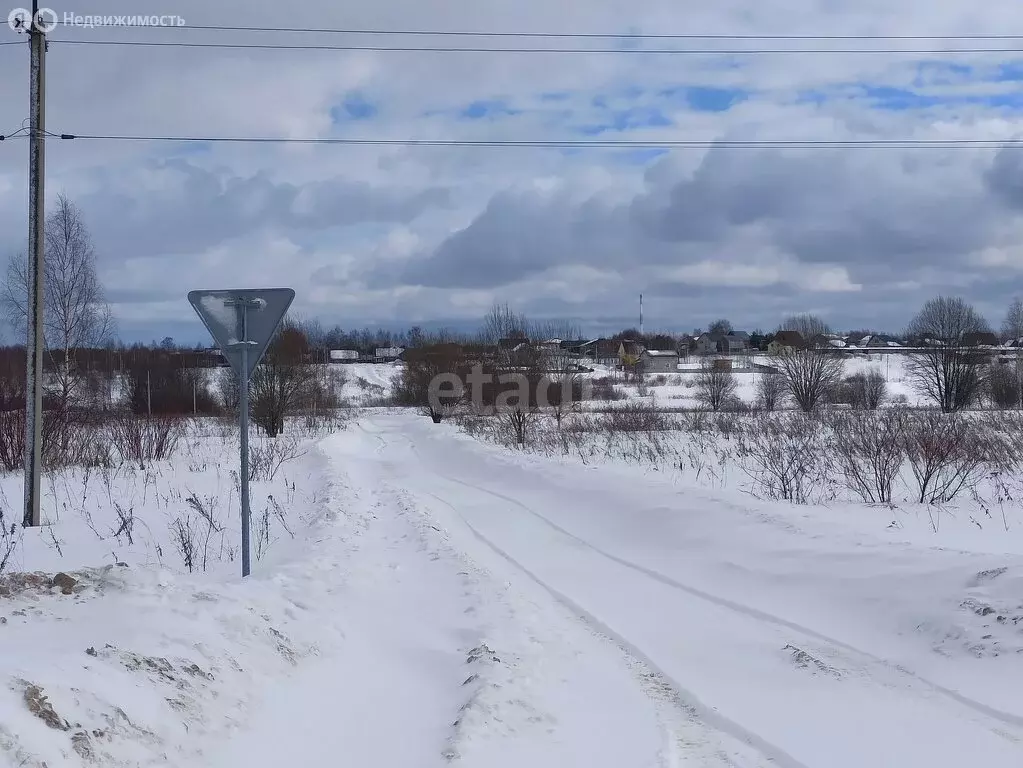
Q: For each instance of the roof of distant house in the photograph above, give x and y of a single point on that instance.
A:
(790, 339)
(980, 339)
(511, 343)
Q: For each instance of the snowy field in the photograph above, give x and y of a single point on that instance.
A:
(421, 596)
(678, 389)
(367, 383)
(354, 383)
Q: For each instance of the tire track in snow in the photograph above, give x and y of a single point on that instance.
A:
(1006, 718)
(683, 719)
(656, 680)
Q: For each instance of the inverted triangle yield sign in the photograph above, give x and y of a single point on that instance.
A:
(242, 317)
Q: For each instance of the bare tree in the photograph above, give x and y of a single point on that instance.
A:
(432, 380)
(1012, 330)
(947, 370)
(808, 326)
(546, 330)
(283, 380)
(562, 395)
(230, 392)
(809, 374)
(720, 326)
(714, 386)
(501, 322)
(771, 390)
(1012, 325)
(77, 315)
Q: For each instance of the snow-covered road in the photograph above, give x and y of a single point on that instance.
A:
(814, 644)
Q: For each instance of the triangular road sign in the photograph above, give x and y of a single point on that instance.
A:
(242, 317)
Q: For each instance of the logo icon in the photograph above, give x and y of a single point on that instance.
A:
(46, 20)
(20, 20)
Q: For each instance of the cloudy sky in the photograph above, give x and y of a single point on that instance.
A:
(397, 234)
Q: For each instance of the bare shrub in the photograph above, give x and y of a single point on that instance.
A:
(871, 389)
(735, 404)
(229, 390)
(729, 424)
(1004, 386)
(10, 538)
(144, 439)
(866, 390)
(714, 387)
(869, 451)
(517, 422)
(563, 395)
(634, 417)
(280, 514)
(183, 535)
(12, 440)
(946, 453)
(327, 421)
(1004, 436)
(262, 539)
(125, 523)
(67, 441)
(809, 374)
(786, 456)
(771, 391)
(266, 457)
(603, 388)
(695, 422)
(207, 513)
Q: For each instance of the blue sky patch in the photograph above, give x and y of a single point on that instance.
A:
(940, 73)
(629, 119)
(478, 110)
(355, 107)
(1011, 71)
(887, 97)
(705, 98)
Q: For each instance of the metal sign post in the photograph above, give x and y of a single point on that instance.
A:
(242, 322)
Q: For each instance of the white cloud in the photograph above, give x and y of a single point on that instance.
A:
(370, 234)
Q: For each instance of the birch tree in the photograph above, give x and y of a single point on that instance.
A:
(76, 313)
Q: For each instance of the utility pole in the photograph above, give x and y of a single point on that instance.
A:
(36, 242)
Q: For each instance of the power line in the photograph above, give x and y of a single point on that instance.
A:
(587, 35)
(579, 144)
(523, 49)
